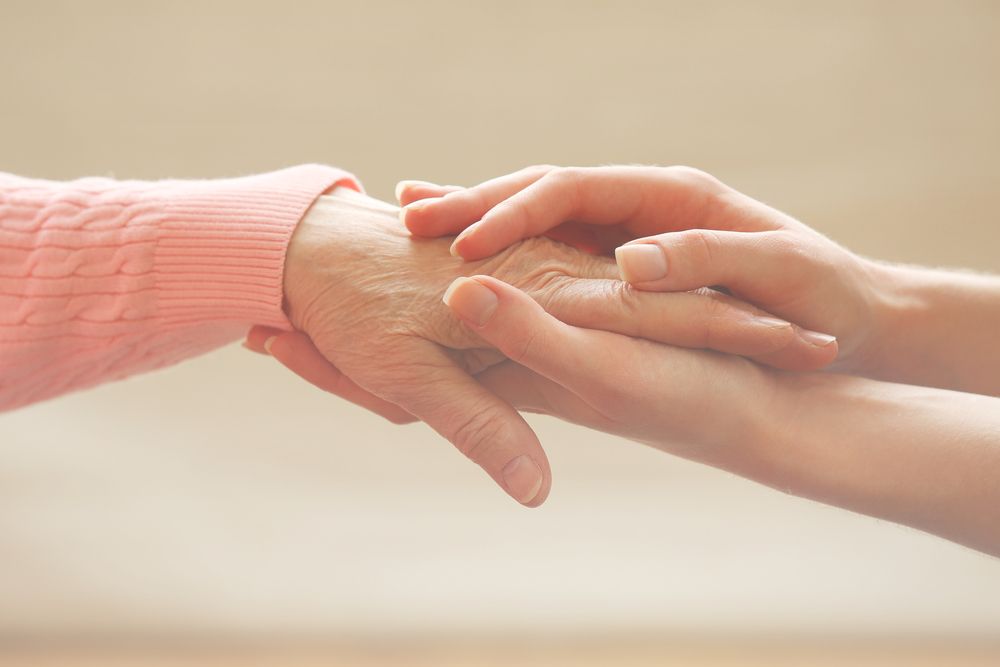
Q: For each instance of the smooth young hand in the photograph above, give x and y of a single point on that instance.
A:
(672, 229)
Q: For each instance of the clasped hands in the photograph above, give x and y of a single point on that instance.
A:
(655, 303)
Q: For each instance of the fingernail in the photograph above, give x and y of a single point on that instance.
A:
(247, 346)
(402, 185)
(415, 206)
(268, 343)
(465, 234)
(471, 300)
(641, 262)
(523, 478)
(772, 322)
(816, 338)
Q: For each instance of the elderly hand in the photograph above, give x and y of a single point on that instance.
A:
(366, 299)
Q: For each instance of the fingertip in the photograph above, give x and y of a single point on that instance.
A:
(470, 247)
(817, 339)
(539, 499)
(414, 219)
(800, 356)
(246, 345)
(410, 191)
(641, 263)
(286, 346)
(269, 344)
(472, 300)
(256, 337)
(523, 479)
(400, 190)
(822, 348)
(827, 354)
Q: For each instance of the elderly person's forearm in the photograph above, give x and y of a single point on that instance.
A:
(101, 279)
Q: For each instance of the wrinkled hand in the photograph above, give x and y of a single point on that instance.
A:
(368, 296)
(682, 229)
(365, 298)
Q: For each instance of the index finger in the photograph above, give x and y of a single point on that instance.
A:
(648, 199)
(452, 211)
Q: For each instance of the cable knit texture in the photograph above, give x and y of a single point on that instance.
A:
(101, 279)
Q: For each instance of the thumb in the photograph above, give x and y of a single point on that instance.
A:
(481, 425)
(756, 266)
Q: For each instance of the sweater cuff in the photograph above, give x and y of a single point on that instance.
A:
(220, 251)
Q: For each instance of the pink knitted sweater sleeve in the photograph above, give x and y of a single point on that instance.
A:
(101, 279)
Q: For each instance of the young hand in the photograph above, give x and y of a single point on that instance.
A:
(672, 229)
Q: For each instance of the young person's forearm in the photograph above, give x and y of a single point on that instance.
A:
(938, 329)
(927, 458)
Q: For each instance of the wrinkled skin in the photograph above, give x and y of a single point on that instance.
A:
(395, 299)
(368, 295)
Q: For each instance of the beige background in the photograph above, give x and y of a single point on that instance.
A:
(224, 498)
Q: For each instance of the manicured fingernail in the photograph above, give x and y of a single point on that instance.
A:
(523, 478)
(268, 343)
(471, 300)
(464, 235)
(415, 206)
(816, 338)
(772, 322)
(641, 262)
(402, 185)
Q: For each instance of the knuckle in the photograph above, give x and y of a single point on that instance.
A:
(525, 346)
(564, 179)
(540, 169)
(546, 286)
(475, 432)
(704, 244)
(711, 326)
(795, 256)
(709, 192)
(614, 392)
(515, 209)
(563, 186)
(631, 311)
(477, 198)
(564, 174)
(696, 178)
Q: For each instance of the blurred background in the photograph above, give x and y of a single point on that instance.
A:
(224, 507)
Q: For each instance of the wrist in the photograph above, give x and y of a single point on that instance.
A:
(748, 425)
(220, 248)
(331, 248)
(311, 259)
(898, 307)
(782, 432)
